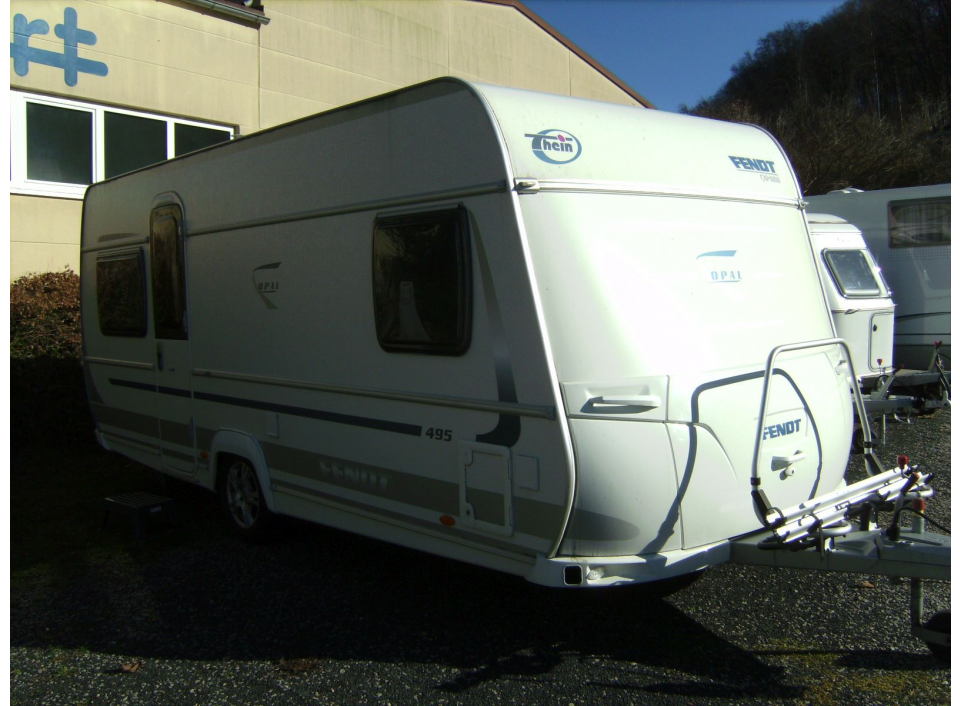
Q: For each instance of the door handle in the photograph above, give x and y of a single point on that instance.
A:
(160, 356)
(783, 463)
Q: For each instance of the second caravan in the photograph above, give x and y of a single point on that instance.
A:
(581, 343)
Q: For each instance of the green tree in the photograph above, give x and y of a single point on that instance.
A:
(861, 98)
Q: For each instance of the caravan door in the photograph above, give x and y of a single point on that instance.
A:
(174, 388)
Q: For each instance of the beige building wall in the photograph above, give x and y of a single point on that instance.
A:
(174, 58)
(318, 55)
(44, 235)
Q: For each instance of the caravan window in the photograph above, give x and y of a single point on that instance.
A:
(121, 293)
(167, 276)
(421, 282)
(852, 273)
(917, 223)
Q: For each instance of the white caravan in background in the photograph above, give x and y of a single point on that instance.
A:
(908, 231)
(857, 295)
(863, 312)
(578, 342)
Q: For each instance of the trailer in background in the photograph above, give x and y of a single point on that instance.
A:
(863, 313)
(908, 232)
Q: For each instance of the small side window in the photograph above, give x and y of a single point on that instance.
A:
(852, 273)
(919, 223)
(121, 294)
(421, 282)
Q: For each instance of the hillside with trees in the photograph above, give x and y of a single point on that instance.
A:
(861, 98)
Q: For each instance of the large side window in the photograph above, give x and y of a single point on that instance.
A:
(421, 282)
(121, 293)
(167, 273)
(921, 222)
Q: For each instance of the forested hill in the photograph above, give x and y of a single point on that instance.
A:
(861, 98)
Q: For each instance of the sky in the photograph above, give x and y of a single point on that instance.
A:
(673, 52)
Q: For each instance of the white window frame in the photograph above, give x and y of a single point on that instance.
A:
(20, 184)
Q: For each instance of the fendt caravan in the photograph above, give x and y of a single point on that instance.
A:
(908, 231)
(578, 342)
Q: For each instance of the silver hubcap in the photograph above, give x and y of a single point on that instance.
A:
(243, 495)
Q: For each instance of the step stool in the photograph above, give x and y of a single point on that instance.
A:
(139, 506)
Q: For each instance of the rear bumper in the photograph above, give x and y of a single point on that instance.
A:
(596, 571)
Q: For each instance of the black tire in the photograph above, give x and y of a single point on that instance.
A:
(243, 502)
(940, 622)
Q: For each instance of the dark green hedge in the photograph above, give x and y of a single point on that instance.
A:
(48, 403)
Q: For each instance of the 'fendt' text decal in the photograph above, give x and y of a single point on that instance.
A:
(776, 430)
(764, 167)
(555, 146)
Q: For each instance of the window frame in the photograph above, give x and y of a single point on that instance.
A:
(116, 256)
(458, 216)
(20, 184)
(871, 268)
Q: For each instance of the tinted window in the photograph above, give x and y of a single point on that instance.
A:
(59, 144)
(132, 142)
(166, 266)
(121, 294)
(189, 138)
(924, 222)
(421, 282)
(852, 273)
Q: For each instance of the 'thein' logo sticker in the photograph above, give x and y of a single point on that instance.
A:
(555, 146)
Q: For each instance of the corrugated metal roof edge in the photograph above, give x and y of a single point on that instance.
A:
(553, 32)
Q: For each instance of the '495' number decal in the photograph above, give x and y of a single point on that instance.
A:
(440, 434)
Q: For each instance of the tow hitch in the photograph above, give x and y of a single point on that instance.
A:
(842, 532)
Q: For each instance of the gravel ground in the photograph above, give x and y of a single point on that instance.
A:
(323, 617)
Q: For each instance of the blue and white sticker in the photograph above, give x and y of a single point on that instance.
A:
(721, 266)
(555, 146)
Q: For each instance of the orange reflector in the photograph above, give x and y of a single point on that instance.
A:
(204, 454)
(447, 521)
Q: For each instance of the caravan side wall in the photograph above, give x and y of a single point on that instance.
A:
(461, 452)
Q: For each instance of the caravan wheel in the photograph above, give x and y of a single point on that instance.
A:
(243, 501)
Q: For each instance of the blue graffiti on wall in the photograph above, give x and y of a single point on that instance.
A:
(22, 53)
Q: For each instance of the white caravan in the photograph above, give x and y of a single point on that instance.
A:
(908, 231)
(857, 295)
(579, 342)
(863, 313)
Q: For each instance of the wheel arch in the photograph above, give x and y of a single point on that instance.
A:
(229, 442)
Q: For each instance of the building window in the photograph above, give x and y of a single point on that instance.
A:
(60, 146)
(421, 282)
(121, 298)
(918, 223)
(57, 144)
